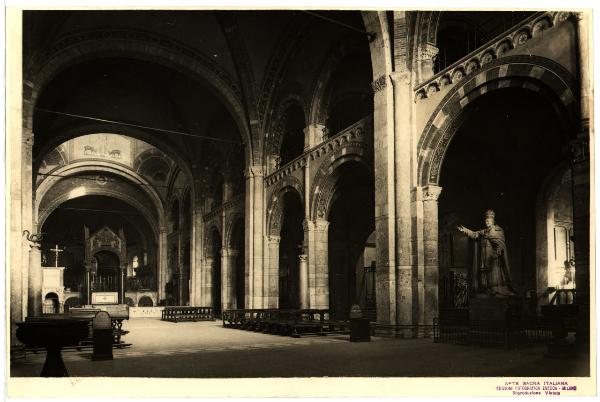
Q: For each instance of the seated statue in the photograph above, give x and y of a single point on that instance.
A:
(491, 275)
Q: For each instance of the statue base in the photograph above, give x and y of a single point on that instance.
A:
(495, 312)
(496, 321)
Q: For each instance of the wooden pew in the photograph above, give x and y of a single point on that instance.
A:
(187, 313)
(117, 312)
(290, 322)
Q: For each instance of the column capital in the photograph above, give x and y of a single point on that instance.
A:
(321, 224)
(428, 52)
(273, 239)
(307, 225)
(401, 77)
(302, 257)
(380, 83)
(254, 171)
(431, 193)
(229, 252)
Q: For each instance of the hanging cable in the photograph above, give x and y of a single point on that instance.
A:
(109, 180)
(163, 130)
(108, 211)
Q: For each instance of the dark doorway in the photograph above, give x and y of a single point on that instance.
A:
(351, 221)
(237, 243)
(216, 270)
(290, 247)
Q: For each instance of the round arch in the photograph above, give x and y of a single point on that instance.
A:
(107, 193)
(171, 150)
(325, 182)
(232, 225)
(274, 142)
(275, 209)
(211, 228)
(531, 73)
(64, 172)
(83, 166)
(141, 45)
(319, 103)
(376, 23)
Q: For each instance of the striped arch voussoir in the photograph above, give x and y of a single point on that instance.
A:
(532, 73)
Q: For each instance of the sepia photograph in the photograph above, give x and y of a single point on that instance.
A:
(299, 195)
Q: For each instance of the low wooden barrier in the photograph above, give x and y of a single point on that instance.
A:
(117, 312)
(186, 313)
(290, 322)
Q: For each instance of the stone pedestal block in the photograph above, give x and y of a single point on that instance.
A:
(492, 312)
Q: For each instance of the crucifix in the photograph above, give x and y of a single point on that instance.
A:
(56, 251)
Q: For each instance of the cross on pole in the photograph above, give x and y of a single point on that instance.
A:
(56, 251)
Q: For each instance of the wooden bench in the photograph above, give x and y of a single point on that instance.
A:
(290, 322)
(117, 313)
(187, 313)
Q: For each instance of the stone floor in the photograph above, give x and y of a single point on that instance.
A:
(207, 350)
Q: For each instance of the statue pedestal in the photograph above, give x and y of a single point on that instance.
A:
(495, 312)
(495, 321)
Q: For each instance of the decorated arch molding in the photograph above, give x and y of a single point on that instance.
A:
(275, 209)
(324, 183)
(232, 224)
(533, 73)
(88, 45)
(276, 133)
(56, 202)
(172, 152)
(84, 166)
(319, 104)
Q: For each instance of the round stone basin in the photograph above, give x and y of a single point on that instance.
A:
(52, 334)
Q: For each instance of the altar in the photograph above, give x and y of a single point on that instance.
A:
(106, 266)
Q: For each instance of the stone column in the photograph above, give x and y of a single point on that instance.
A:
(273, 272)
(26, 207)
(162, 263)
(254, 236)
(16, 141)
(314, 135)
(385, 213)
(122, 282)
(88, 282)
(581, 189)
(34, 305)
(304, 290)
(196, 267)
(430, 281)
(316, 238)
(208, 272)
(403, 104)
(180, 263)
(228, 257)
